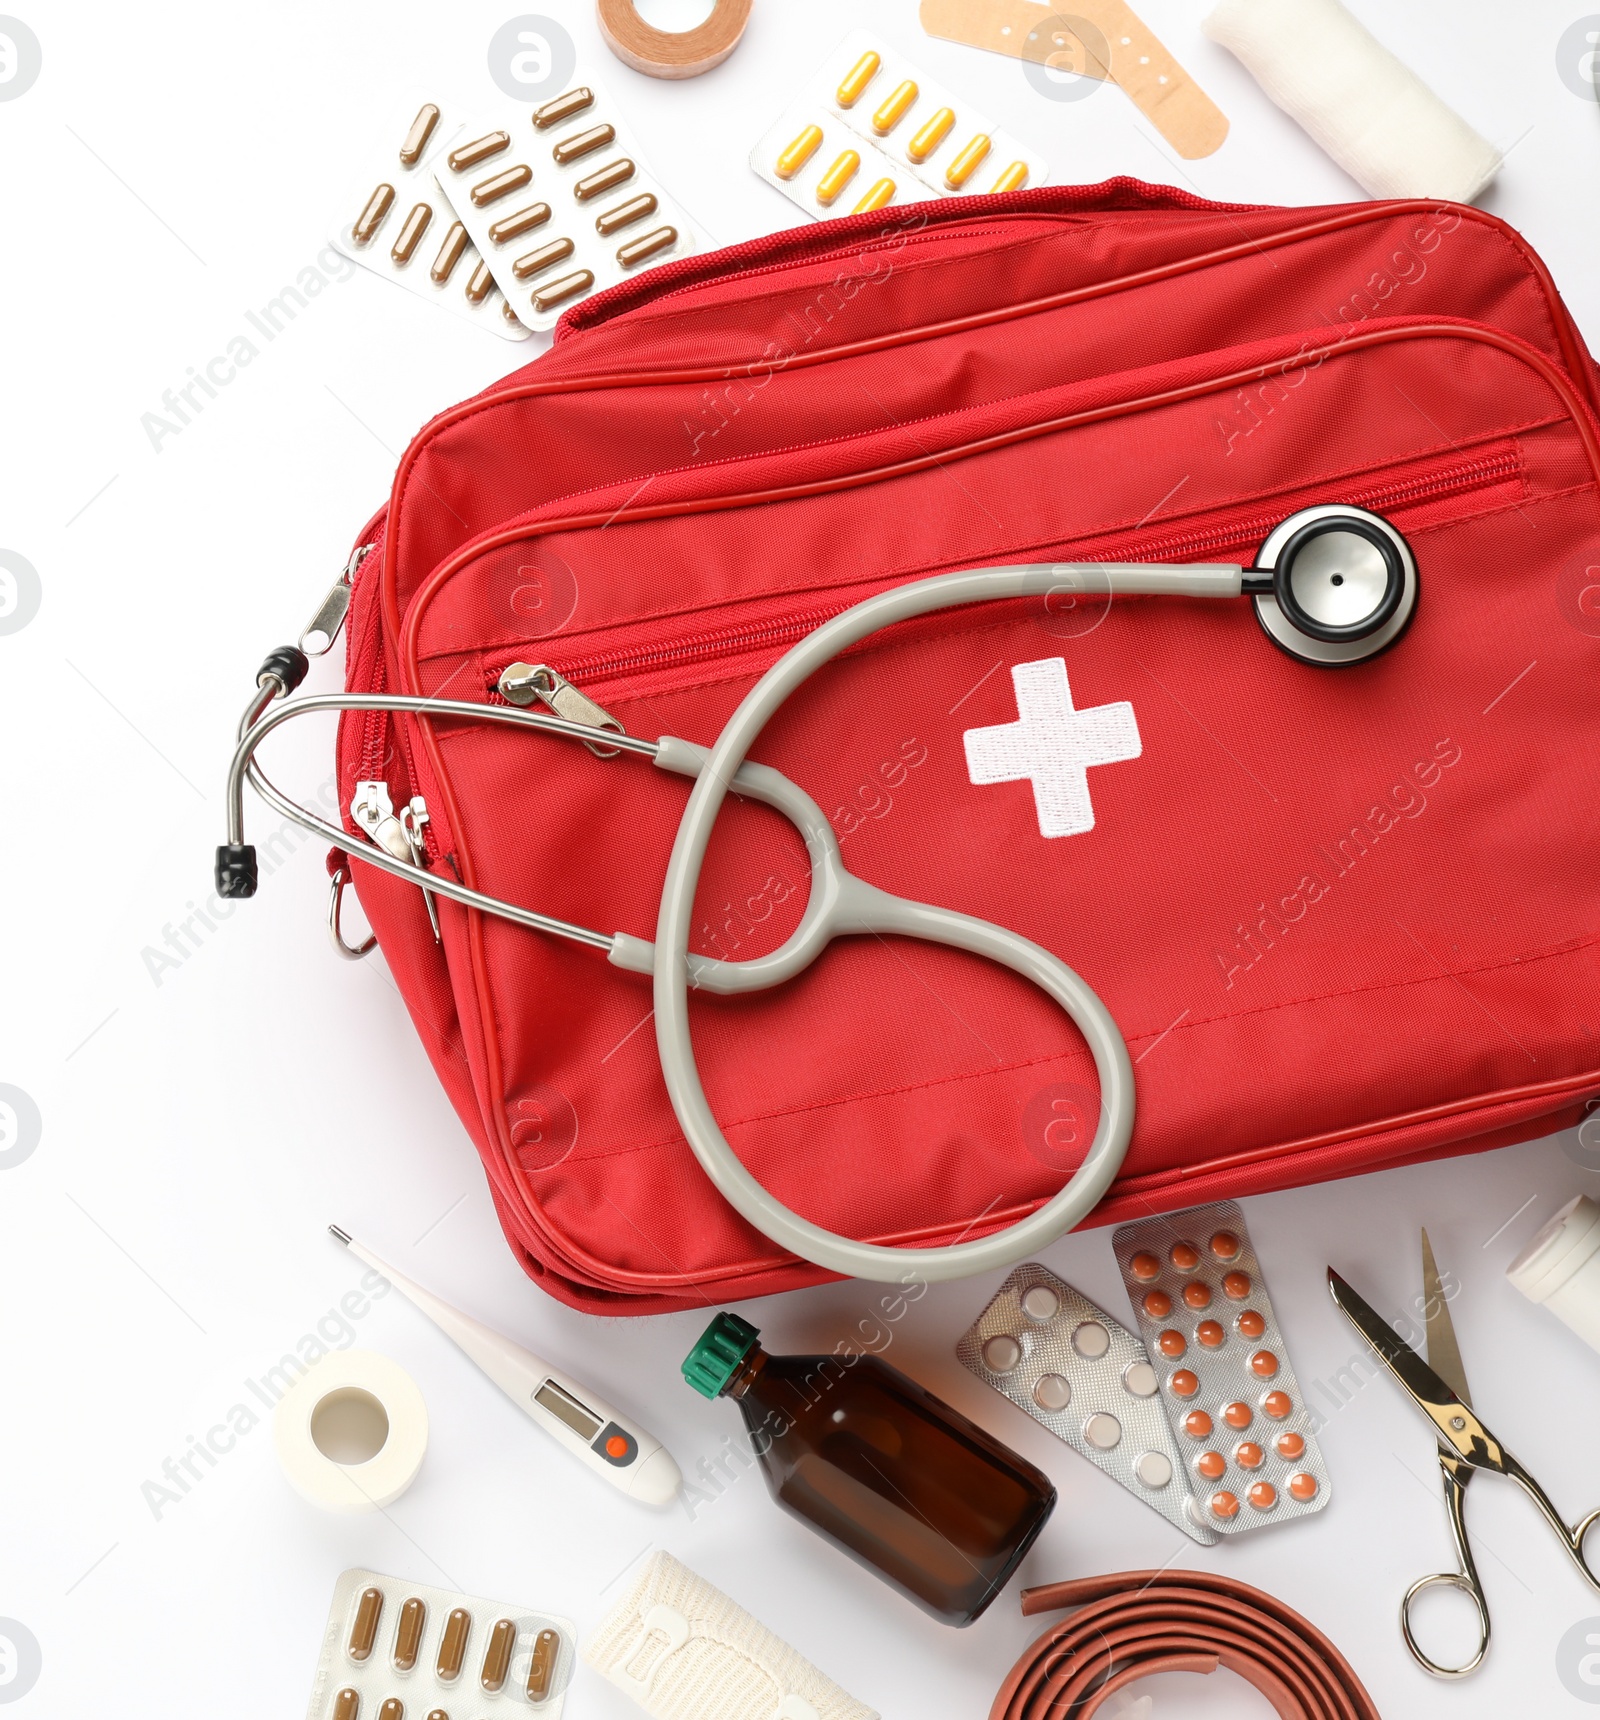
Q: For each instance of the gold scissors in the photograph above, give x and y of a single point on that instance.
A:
(1438, 1387)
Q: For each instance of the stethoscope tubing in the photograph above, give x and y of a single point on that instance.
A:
(839, 903)
(259, 721)
(671, 980)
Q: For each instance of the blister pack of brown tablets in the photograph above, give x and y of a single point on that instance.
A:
(398, 222)
(1230, 1394)
(1075, 1370)
(558, 202)
(403, 1651)
(870, 130)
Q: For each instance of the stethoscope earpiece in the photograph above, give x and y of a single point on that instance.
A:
(1343, 585)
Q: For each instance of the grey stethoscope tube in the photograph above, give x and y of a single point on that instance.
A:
(842, 904)
(1333, 585)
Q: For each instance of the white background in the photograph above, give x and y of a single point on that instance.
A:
(172, 168)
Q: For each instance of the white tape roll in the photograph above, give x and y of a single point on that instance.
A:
(1561, 1268)
(351, 1432)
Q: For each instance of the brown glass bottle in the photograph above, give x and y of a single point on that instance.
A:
(906, 1485)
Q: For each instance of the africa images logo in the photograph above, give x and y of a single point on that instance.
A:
(1578, 1660)
(20, 1660)
(20, 58)
(1578, 57)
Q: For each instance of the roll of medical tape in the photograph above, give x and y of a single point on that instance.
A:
(352, 1431)
(1135, 1624)
(672, 53)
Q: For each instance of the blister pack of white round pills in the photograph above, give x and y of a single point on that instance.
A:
(1236, 1408)
(1076, 1371)
(394, 1650)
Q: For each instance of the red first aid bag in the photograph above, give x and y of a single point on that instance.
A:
(1345, 918)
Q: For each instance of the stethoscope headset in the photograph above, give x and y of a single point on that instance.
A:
(1332, 586)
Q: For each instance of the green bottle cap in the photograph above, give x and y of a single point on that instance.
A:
(717, 1357)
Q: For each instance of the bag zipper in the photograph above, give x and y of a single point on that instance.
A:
(406, 833)
(710, 644)
(328, 622)
(523, 683)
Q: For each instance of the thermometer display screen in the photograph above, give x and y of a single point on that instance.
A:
(565, 1408)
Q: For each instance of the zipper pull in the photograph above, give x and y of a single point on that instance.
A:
(372, 808)
(329, 619)
(412, 819)
(523, 683)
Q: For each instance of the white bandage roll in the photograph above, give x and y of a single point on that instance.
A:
(1372, 114)
(352, 1431)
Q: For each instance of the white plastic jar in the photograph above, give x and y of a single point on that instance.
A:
(1561, 1268)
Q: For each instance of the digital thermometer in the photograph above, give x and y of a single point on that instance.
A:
(633, 1461)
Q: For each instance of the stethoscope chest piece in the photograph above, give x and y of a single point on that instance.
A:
(1344, 585)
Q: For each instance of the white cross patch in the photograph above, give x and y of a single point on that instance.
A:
(1052, 746)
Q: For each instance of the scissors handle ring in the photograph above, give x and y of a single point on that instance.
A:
(1467, 1586)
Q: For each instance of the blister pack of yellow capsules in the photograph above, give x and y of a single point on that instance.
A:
(870, 130)
(394, 1650)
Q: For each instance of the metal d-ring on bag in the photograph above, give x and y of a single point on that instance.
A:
(1331, 586)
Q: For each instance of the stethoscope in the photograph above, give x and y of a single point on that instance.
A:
(1332, 586)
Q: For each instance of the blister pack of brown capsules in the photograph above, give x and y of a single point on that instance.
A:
(399, 224)
(403, 1651)
(1230, 1394)
(558, 202)
(870, 130)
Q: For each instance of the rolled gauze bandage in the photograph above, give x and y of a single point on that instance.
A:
(1373, 115)
(683, 1651)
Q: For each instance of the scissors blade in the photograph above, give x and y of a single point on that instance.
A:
(1458, 1429)
(1444, 1353)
